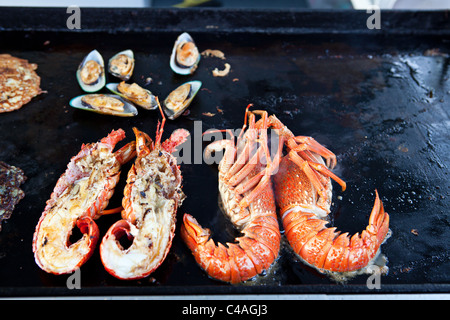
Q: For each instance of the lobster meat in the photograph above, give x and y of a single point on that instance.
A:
(79, 197)
(246, 192)
(303, 193)
(151, 198)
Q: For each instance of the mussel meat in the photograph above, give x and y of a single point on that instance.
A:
(91, 72)
(121, 65)
(185, 55)
(133, 92)
(104, 104)
(180, 98)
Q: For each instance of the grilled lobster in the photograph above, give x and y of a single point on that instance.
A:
(246, 192)
(303, 193)
(151, 198)
(79, 197)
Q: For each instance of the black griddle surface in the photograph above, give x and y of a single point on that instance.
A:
(379, 102)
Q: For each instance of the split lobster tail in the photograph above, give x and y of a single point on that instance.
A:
(326, 249)
(192, 232)
(251, 255)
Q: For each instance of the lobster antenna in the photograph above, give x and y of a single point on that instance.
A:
(245, 119)
(246, 113)
(160, 128)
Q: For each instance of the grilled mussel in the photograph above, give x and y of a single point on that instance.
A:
(104, 104)
(185, 55)
(121, 65)
(180, 98)
(91, 72)
(134, 93)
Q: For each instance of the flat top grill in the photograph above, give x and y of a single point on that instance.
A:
(379, 101)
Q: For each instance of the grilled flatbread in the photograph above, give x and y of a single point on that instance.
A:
(19, 83)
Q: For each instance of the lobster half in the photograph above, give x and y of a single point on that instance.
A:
(303, 193)
(151, 198)
(79, 197)
(245, 189)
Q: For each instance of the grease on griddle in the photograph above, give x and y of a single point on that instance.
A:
(10, 193)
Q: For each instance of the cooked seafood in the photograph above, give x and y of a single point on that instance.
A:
(121, 65)
(10, 193)
(303, 192)
(151, 198)
(185, 55)
(104, 104)
(19, 82)
(79, 197)
(246, 192)
(213, 53)
(180, 99)
(222, 73)
(133, 92)
(91, 73)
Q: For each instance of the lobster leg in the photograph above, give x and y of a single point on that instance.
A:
(268, 170)
(320, 168)
(111, 211)
(230, 152)
(306, 167)
(246, 169)
(126, 153)
(300, 149)
(312, 176)
(143, 143)
(308, 143)
(244, 155)
(249, 198)
(249, 184)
